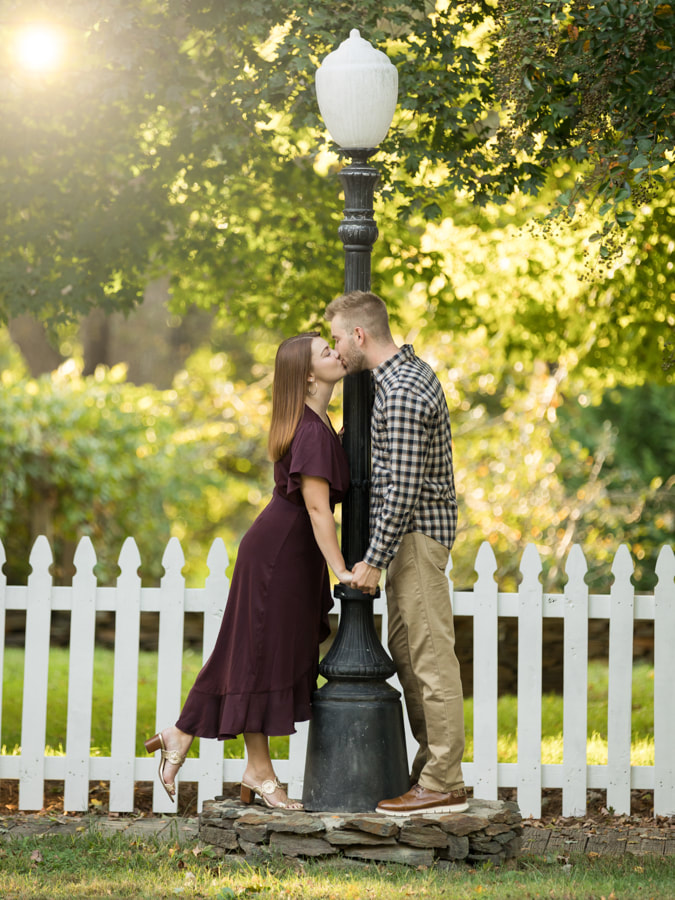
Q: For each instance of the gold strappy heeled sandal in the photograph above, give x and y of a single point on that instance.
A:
(167, 756)
(269, 786)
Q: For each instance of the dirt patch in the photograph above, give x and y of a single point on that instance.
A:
(598, 819)
(99, 799)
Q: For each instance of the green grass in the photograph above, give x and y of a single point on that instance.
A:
(552, 716)
(91, 865)
(102, 701)
(642, 730)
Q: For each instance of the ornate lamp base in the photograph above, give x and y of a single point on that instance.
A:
(356, 753)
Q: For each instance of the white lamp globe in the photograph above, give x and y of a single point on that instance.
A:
(357, 88)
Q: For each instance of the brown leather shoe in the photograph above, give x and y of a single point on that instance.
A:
(420, 800)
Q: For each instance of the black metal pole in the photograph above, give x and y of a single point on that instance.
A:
(356, 754)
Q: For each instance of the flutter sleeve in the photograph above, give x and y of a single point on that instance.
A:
(317, 452)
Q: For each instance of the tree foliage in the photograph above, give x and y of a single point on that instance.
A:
(592, 83)
(184, 137)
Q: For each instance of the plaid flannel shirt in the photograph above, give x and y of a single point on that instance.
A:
(412, 483)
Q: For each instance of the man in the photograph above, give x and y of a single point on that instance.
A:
(413, 521)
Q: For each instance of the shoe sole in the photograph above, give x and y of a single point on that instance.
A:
(425, 811)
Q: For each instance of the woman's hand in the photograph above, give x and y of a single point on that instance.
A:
(345, 577)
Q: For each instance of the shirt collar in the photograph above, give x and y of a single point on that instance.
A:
(383, 372)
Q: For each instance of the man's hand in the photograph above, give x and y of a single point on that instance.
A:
(365, 578)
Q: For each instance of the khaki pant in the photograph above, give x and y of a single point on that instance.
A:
(422, 645)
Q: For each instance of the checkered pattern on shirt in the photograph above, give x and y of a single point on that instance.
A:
(413, 485)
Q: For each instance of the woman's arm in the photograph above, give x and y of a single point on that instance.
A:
(315, 493)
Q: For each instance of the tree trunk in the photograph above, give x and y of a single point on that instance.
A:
(30, 336)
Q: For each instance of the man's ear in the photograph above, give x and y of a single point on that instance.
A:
(359, 335)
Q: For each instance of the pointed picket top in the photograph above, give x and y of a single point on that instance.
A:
(217, 560)
(41, 557)
(623, 566)
(665, 565)
(576, 565)
(486, 562)
(173, 559)
(85, 557)
(130, 558)
(530, 568)
(3, 560)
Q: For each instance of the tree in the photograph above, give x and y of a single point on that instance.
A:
(591, 83)
(185, 141)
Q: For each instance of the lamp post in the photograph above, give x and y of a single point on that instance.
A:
(356, 753)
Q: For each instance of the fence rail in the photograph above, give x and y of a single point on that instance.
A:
(485, 603)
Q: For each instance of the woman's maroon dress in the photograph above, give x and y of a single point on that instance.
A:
(263, 669)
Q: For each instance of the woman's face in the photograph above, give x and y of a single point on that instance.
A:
(326, 363)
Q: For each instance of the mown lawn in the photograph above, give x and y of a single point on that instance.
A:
(90, 866)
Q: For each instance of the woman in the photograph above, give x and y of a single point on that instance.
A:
(260, 677)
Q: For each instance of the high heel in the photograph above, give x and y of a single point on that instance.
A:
(167, 756)
(247, 794)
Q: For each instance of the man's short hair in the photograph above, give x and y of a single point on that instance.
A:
(361, 309)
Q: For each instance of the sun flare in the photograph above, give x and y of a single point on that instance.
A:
(40, 48)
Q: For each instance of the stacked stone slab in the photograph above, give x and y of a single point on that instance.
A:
(490, 831)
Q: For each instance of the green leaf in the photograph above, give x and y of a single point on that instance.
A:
(432, 211)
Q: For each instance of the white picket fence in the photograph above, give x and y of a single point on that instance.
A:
(485, 774)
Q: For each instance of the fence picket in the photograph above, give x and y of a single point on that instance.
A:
(3, 603)
(575, 685)
(80, 679)
(297, 753)
(169, 652)
(664, 680)
(215, 598)
(619, 700)
(411, 743)
(530, 632)
(35, 678)
(125, 679)
(485, 646)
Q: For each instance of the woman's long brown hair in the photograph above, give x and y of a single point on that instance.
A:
(292, 368)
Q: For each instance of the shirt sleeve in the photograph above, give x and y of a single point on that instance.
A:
(408, 423)
(313, 453)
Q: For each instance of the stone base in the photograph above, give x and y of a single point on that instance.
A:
(489, 831)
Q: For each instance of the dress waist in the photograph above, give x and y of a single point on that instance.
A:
(295, 499)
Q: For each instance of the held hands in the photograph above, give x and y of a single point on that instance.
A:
(344, 576)
(365, 578)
